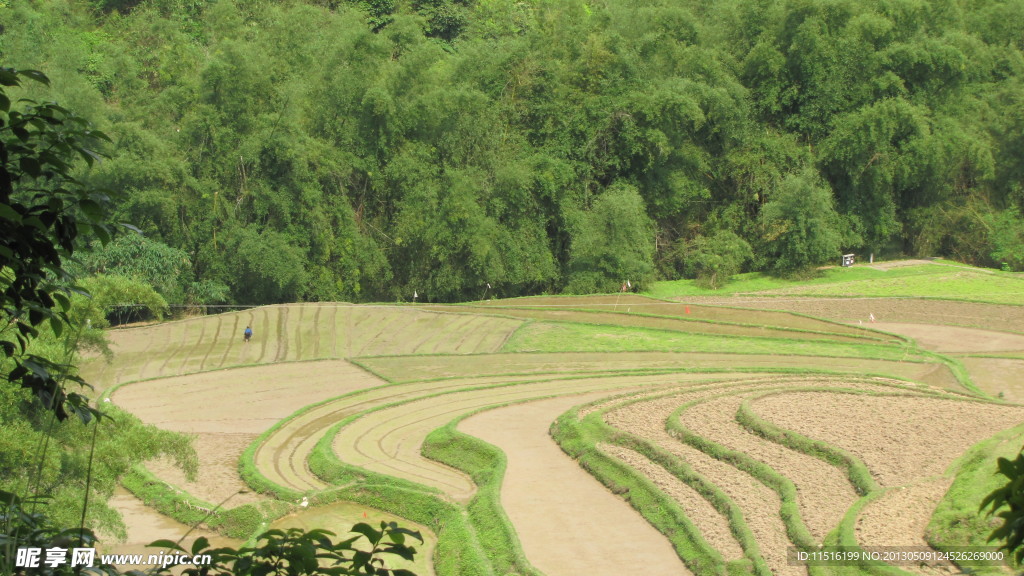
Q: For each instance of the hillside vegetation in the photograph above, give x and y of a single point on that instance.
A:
(276, 151)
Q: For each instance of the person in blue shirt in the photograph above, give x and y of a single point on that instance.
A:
(248, 334)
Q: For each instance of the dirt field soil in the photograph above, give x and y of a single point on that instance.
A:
(568, 523)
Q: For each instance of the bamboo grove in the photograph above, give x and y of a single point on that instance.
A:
(290, 150)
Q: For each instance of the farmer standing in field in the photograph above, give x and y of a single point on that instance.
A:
(247, 334)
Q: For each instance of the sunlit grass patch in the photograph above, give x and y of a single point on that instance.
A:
(559, 337)
(931, 280)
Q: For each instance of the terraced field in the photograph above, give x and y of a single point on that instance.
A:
(583, 435)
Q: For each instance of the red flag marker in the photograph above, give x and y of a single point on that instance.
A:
(687, 309)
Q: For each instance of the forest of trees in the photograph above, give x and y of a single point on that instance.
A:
(286, 150)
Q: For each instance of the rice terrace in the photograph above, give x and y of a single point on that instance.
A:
(674, 432)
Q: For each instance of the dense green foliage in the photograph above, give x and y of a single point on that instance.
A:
(334, 149)
(70, 466)
(44, 210)
(1007, 503)
(296, 552)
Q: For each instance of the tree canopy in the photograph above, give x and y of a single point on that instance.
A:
(361, 150)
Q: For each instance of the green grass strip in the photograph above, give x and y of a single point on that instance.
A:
(555, 336)
(579, 439)
(858, 473)
(789, 510)
(846, 536)
(916, 281)
(459, 550)
(957, 520)
(486, 465)
(856, 470)
(241, 522)
(688, 322)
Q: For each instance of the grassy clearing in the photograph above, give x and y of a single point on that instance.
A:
(915, 281)
(477, 538)
(761, 282)
(962, 285)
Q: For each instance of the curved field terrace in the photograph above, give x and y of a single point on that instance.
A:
(579, 435)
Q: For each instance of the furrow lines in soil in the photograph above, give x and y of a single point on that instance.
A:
(900, 439)
(759, 504)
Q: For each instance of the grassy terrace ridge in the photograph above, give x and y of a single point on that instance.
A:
(421, 368)
(938, 280)
(551, 336)
(486, 465)
(643, 306)
(579, 439)
(645, 316)
(956, 521)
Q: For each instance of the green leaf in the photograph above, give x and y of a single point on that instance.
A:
(57, 326)
(1006, 467)
(8, 77)
(89, 156)
(200, 544)
(92, 209)
(36, 369)
(365, 529)
(9, 213)
(36, 75)
(361, 558)
(168, 544)
(406, 552)
(102, 233)
(63, 301)
(30, 166)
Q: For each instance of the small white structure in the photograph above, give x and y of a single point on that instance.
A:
(847, 260)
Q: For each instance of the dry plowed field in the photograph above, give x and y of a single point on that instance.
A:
(666, 462)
